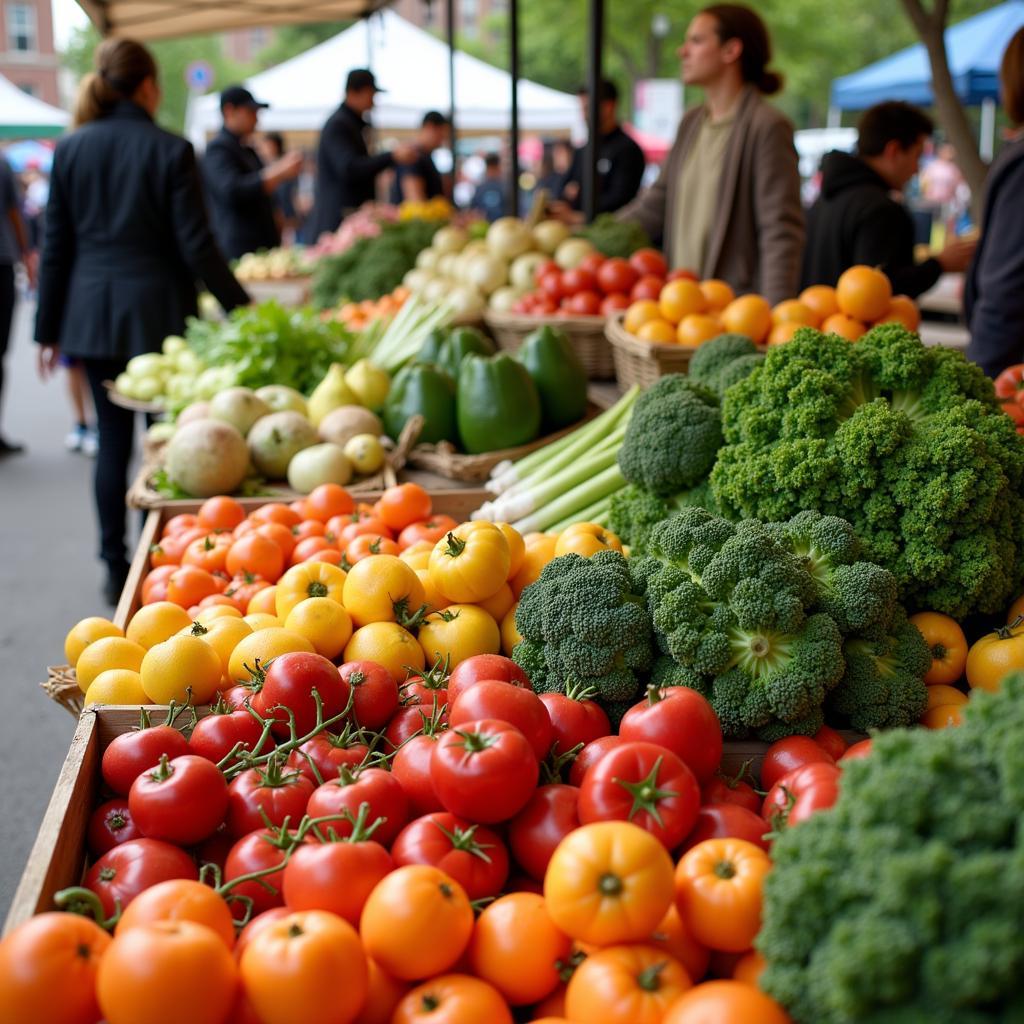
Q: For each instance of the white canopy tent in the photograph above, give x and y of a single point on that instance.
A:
(411, 65)
(25, 117)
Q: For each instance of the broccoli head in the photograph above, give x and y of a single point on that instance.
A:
(635, 512)
(739, 369)
(714, 356)
(902, 902)
(583, 621)
(674, 433)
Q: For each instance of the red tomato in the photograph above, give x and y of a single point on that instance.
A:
(409, 722)
(647, 288)
(428, 691)
(681, 274)
(860, 749)
(411, 766)
(617, 275)
(545, 306)
(506, 703)
(181, 801)
(592, 262)
(279, 794)
(216, 849)
(722, 790)
(430, 530)
(585, 304)
(546, 267)
(646, 784)
(328, 751)
(648, 261)
(289, 683)
(485, 771)
(110, 825)
(785, 755)
(552, 285)
(374, 693)
(254, 852)
(541, 825)
(614, 303)
(485, 666)
(831, 742)
(224, 728)
(374, 786)
(579, 280)
(800, 793)
(591, 754)
(126, 870)
(473, 855)
(727, 821)
(131, 753)
(574, 721)
(681, 720)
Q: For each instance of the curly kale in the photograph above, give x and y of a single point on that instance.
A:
(582, 621)
(903, 902)
(906, 442)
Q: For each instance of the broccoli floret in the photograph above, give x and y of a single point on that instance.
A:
(737, 370)
(584, 621)
(667, 672)
(634, 512)
(711, 358)
(902, 903)
(673, 436)
(529, 656)
(883, 685)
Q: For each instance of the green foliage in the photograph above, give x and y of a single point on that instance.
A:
(905, 441)
(613, 237)
(902, 902)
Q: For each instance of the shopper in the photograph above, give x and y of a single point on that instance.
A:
(620, 161)
(126, 241)
(239, 186)
(994, 298)
(421, 179)
(271, 147)
(857, 220)
(490, 198)
(727, 201)
(346, 172)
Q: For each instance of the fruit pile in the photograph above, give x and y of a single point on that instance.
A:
(357, 316)
(689, 312)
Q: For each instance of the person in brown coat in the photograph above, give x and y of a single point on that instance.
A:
(727, 201)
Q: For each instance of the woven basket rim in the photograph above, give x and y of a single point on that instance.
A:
(617, 334)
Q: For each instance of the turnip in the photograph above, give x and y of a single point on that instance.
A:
(207, 457)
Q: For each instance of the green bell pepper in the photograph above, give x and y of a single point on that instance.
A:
(497, 404)
(429, 391)
(462, 342)
(560, 377)
(431, 350)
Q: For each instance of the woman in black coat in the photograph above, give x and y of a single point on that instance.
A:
(127, 240)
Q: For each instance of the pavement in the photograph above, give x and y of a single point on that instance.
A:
(49, 579)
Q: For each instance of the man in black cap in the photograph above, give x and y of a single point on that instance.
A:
(240, 188)
(421, 179)
(346, 172)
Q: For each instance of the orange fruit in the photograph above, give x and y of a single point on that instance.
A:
(105, 653)
(171, 667)
(154, 623)
(863, 293)
(696, 328)
(639, 313)
(750, 315)
(822, 299)
(844, 326)
(794, 311)
(86, 632)
(657, 331)
(717, 294)
(680, 298)
(781, 333)
(902, 310)
(942, 717)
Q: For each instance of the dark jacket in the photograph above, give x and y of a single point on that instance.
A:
(126, 240)
(854, 221)
(425, 169)
(346, 173)
(620, 170)
(994, 296)
(490, 199)
(241, 209)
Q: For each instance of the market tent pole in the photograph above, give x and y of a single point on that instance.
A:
(513, 70)
(593, 109)
(453, 138)
(988, 128)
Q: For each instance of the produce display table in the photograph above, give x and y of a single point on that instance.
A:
(289, 291)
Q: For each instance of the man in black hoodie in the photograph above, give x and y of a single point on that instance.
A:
(858, 220)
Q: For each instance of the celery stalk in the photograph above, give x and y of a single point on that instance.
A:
(580, 497)
(590, 514)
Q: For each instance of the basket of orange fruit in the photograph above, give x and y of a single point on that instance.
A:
(654, 337)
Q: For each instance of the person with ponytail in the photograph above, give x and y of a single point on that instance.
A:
(727, 201)
(127, 241)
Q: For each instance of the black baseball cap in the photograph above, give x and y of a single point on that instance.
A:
(239, 96)
(361, 78)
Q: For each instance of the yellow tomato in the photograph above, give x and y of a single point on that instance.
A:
(86, 632)
(516, 547)
(382, 588)
(264, 600)
(206, 616)
(498, 605)
(262, 646)
(417, 555)
(308, 579)
(471, 562)
(586, 539)
(991, 658)
(323, 622)
(183, 663)
(458, 632)
(389, 645)
(540, 549)
(107, 652)
(224, 635)
(510, 636)
(154, 623)
(432, 597)
(262, 620)
(117, 686)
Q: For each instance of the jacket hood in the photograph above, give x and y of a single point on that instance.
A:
(840, 171)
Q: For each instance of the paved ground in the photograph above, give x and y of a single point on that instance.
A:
(48, 580)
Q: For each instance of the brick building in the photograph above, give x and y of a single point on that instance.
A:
(27, 54)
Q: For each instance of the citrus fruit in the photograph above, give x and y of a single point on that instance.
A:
(781, 333)
(157, 622)
(323, 622)
(696, 328)
(388, 644)
(680, 298)
(660, 331)
(717, 294)
(107, 652)
(902, 310)
(263, 646)
(822, 299)
(171, 667)
(863, 293)
(84, 633)
(794, 311)
(750, 315)
(639, 313)
(117, 686)
(844, 326)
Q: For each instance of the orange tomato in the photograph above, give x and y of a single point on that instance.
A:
(256, 555)
(307, 966)
(863, 293)
(497, 605)
(940, 693)
(417, 922)
(180, 900)
(516, 547)
(453, 999)
(718, 892)
(586, 539)
(725, 1002)
(242, 589)
(948, 645)
(328, 500)
(276, 512)
(509, 634)
(189, 584)
(182, 521)
(845, 326)
(517, 948)
(781, 333)
(209, 552)
(749, 967)
(750, 315)
(902, 310)
(429, 530)
(383, 995)
(674, 937)
(264, 600)
(403, 505)
(821, 298)
(625, 985)
(538, 550)
(48, 968)
(640, 313)
(696, 328)
(681, 298)
(167, 972)
(717, 294)
(308, 528)
(281, 535)
(660, 332)
(553, 1007)
(220, 513)
(307, 547)
(943, 716)
(793, 311)
(172, 547)
(994, 656)
(368, 544)
(1016, 611)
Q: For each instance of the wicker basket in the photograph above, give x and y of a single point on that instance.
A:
(131, 404)
(586, 334)
(643, 362)
(62, 686)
